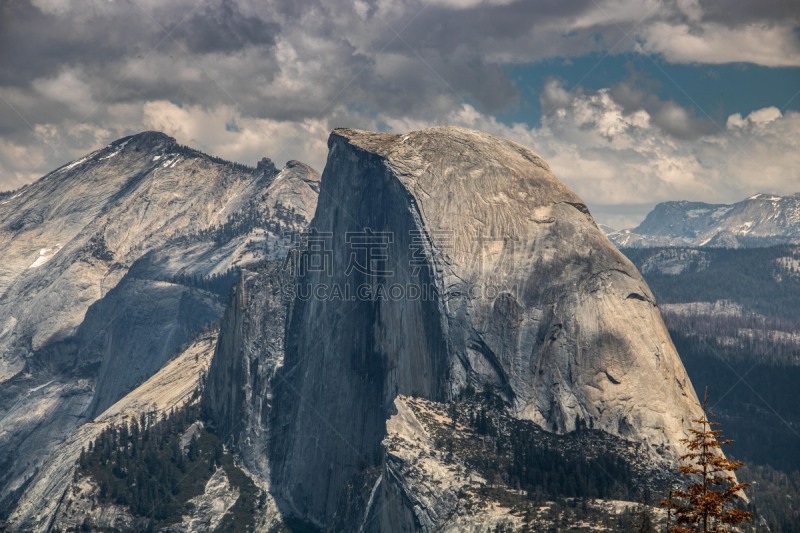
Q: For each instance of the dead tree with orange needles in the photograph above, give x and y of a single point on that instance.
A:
(709, 502)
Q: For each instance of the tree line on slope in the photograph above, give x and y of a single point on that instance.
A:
(188, 151)
(747, 337)
(753, 374)
(280, 221)
(154, 466)
(142, 465)
(519, 454)
(753, 398)
(219, 284)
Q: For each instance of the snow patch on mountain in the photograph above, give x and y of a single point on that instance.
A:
(45, 254)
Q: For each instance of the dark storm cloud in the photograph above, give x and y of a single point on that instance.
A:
(424, 84)
(36, 43)
(126, 52)
(638, 92)
(75, 74)
(449, 28)
(744, 11)
(223, 28)
(443, 53)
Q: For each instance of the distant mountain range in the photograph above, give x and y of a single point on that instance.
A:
(761, 220)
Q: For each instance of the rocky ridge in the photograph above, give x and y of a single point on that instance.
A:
(112, 263)
(52, 498)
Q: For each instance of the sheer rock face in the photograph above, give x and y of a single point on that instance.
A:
(238, 392)
(529, 299)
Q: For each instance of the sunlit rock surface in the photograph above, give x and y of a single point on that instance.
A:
(111, 265)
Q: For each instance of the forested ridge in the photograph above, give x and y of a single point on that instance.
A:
(154, 465)
(747, 356)
(755, 278)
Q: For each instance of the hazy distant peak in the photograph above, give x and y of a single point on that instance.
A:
(761, 220)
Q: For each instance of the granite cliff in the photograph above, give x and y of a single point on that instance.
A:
(453, 264)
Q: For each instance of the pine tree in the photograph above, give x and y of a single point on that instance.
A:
(708, 504)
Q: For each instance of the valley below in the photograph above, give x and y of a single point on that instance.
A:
(734, 318)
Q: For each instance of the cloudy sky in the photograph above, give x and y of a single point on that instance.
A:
(631, 102)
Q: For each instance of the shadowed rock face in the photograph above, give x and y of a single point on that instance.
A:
(346, 361)
(528, 298)
(238, 392)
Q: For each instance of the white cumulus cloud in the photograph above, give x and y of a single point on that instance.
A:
(772, 45)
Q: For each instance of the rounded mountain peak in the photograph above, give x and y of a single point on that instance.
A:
(500, 219)
(465, 178)
(456, 137)
(146, 140)
(147, 136)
